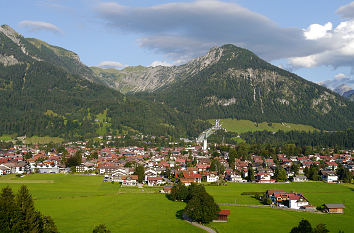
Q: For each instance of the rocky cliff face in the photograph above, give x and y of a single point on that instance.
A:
(149, 79)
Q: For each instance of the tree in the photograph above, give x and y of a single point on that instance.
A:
(344, 174)
(74, 160)
(195, 190)
(217, 166)
(232, 157)
(280, 174)
(179, 192)
(140, 171)
(250, 172)
(19, 215)
(202, 208)
(31, 221)
(101, 229)
(8, 210)
(303, 227)
(320, 228)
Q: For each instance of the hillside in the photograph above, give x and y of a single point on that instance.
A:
(45, 93)
(235, 83)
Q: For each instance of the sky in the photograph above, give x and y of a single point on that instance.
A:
(314, 39)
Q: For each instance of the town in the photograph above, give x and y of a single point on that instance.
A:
(157, 166)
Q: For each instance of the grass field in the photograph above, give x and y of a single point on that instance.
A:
(43, 140)
(5, 137)
(77, 203)
(242, 126)
(248, 219)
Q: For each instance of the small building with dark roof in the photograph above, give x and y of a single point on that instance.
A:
(334, 208)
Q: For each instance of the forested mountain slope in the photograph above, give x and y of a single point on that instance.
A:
(44, 95)
(235, 83)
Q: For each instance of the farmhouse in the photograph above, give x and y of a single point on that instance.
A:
(292, 200)
(334, 208)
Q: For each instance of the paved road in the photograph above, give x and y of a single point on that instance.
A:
(270, 207)
(207, 229)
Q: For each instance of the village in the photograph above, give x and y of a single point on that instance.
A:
(165, 165)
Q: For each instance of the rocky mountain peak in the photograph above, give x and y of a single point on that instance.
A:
(10, 33)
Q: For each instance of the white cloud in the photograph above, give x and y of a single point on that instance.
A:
(160, 63)
(317, 31)
(339, 48)
(184, 30)
(39, 25)
(347, 11)
(111, 64)
(340, 76)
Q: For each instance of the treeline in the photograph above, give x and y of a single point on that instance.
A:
(18, 214)
(340, 139)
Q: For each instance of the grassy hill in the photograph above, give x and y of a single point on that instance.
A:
(77, 203)
(242, 126)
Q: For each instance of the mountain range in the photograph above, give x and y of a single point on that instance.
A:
(46, 90)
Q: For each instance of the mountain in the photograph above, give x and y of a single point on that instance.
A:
(349, 94)
(231, 82)
(149, 79)
(342, 85)
(46, 90)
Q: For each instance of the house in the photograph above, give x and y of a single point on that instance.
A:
(4, 170)
(237, 178)
(44, 168)
(166, 189)
(334, 208)
(155, 181)
(222, 215)
(297, 201)
(300, 178)
(329, 176)
(129, 180)
(197, 178)
(212, 177)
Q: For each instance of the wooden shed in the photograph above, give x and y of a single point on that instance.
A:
(222, 215)
(334, 208)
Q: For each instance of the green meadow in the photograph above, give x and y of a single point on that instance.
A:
(251, 219)
(77, 203)
(242, 126)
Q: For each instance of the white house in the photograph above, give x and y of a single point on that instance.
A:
(155, 181)
(212, 177)
(300, 178)
(297, 201)
(44, 168)
(329, 176)
(4, 170)
(237, 178)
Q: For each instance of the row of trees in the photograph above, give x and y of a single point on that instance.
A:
(18, 214)
(200, 207)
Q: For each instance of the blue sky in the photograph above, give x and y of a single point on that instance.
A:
(314, 39)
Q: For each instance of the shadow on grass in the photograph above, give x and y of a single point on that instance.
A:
(179, 214)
